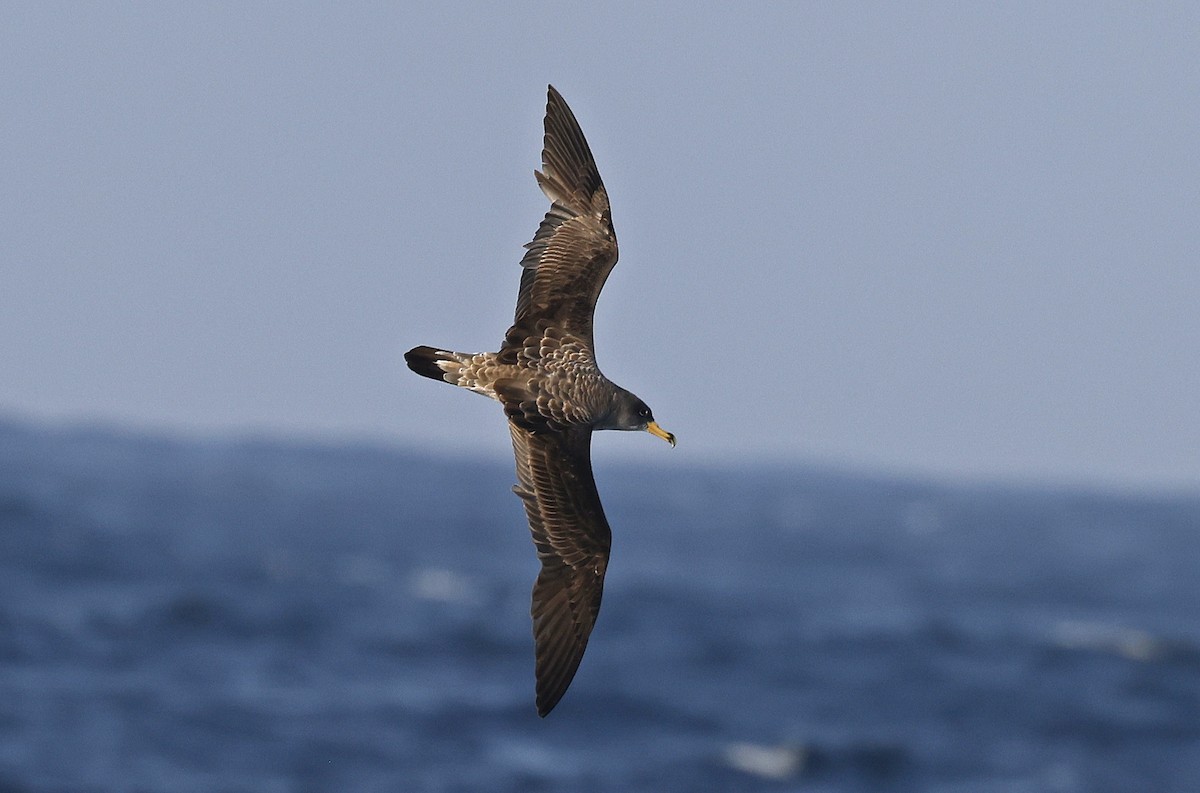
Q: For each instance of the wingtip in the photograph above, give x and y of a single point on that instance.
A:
(546, 702)
(552, 683)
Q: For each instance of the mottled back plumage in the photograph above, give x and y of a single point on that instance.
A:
(554, 395)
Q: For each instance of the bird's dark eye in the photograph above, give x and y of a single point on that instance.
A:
(644, 412)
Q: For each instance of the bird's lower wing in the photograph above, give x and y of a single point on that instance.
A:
(554, 480)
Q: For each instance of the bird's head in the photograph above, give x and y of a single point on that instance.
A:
(632, 413)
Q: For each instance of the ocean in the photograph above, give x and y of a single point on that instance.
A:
(221, 615)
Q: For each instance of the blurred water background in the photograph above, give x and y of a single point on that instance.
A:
(265, 615)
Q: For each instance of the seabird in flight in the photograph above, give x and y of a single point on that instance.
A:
(545, 375)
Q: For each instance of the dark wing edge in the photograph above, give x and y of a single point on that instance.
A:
(575, 247)
(572, 537)
(569, 175)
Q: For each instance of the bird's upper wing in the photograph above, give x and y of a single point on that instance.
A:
(575, 246)
(554, 480)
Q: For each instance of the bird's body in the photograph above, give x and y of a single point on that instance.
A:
(550, 382)
(554, 395)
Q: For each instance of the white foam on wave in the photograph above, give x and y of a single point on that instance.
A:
(1131, 643)
(770, 762)
(443, 586)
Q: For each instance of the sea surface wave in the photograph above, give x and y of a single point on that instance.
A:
(260, 615)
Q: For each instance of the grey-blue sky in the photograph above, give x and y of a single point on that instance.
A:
(937, 237)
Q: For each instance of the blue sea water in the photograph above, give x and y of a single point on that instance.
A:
(258, 615)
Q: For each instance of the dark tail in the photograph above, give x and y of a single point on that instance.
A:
(424, 361)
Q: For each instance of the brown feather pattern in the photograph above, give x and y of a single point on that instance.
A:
(554, 475)
(545, 375)
(575, 247)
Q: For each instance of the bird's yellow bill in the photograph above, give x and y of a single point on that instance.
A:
(654, 429)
